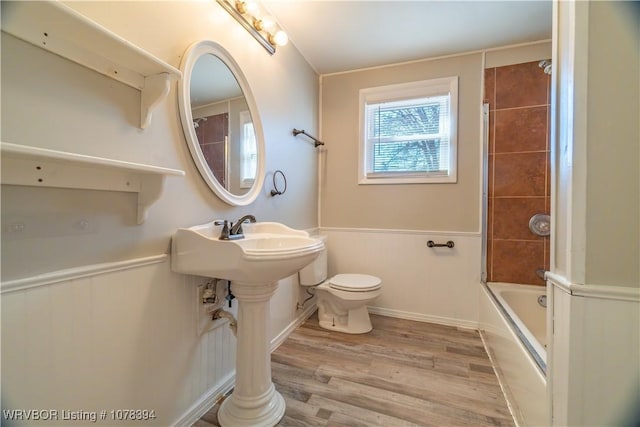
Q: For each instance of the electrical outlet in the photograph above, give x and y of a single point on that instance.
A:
(204, 321)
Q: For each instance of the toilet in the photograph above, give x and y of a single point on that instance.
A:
(342, 300)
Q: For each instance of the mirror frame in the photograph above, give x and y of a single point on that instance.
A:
(191, 56)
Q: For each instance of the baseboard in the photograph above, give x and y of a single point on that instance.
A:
(282, 336)
(206, 402)
(447, 321)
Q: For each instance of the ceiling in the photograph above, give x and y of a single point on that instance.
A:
(343, 35)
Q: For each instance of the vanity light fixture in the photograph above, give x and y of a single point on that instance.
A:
(252, 16)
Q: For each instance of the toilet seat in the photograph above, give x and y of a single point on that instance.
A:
(355, 282)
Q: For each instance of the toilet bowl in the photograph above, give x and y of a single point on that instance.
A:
(342, 299)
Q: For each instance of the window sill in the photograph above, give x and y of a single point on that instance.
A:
(408, 179)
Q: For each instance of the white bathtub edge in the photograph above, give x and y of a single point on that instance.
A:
(504, 386)
(523, 384)
(520, 327)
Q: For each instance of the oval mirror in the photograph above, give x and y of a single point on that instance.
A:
(221, 124)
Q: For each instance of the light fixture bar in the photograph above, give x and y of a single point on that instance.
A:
(248, 26)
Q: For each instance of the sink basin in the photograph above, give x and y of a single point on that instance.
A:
(270, 251)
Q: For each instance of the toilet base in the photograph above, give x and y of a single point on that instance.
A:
(355, 321)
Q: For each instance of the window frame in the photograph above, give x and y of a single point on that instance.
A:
(245, 119)
(400, 92)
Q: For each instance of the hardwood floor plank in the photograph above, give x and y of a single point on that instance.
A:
(407, 407)
(384, 344)
(201, 423)
(303, 413)
(430, 386)
(343, 412)
(402, 374)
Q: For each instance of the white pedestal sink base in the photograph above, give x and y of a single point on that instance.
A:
(263, 411)
(254, 401)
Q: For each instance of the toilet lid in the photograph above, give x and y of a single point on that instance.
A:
(355, 282)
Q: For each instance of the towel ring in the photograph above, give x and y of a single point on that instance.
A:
(276, 191)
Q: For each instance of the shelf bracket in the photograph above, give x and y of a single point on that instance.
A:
(150, 191)
(155, 90)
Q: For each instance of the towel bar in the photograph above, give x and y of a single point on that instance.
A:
(432, 244)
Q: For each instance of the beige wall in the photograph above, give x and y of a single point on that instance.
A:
(443, 207)
(595, 126)
(613, 145)
(52, 103)
(518, 54)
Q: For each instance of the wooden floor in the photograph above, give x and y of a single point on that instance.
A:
(403, 373)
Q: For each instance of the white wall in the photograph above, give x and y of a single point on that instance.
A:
(128, 339)
(594, 371)
(595, 288)
(439, 285)
(113, 340)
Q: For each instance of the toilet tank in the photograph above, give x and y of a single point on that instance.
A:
(316, 272)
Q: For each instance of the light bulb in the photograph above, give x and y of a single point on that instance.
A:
(268, 23)
(280, 38)
(252, 8)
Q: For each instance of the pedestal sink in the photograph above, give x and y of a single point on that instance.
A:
(269, 252)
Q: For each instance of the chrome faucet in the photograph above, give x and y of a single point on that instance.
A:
(224, 233)
(236, 230)
(231, 231)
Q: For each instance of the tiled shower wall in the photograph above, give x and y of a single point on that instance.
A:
(212, 133)
(519, 171)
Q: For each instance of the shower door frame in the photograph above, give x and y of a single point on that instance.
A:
(485, 192)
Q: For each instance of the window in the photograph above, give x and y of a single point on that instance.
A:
(248, 151)
(408, 132)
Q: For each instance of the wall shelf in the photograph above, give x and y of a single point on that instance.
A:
(61, 30)
(40, 167)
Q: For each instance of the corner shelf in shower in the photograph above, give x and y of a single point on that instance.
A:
(41, 167)
(61, 30)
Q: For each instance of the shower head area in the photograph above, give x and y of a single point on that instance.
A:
(517, 190)
(545, 64)
(196, 122)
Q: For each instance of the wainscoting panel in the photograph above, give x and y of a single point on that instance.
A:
(123, 337)
(438, 285)
(594, 353)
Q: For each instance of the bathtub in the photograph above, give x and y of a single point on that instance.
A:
(513, 328)
(527, 315)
